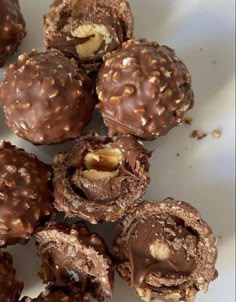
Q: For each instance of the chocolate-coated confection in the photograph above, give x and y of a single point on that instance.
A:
(75, 258)
(46, 98)
(12, 28)
(101, 178)
(144, 90)
(87, 29)
(10, 288)
(166, 251)
(25, 196)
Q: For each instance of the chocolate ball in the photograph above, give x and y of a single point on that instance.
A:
(10, 288)
(12, 28)
(25, 195)
(87, 29)
(144, 90)
(166, 251)
(46, 98)
(76, 259)
(101, 178)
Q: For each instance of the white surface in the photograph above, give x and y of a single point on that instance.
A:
(204, 173)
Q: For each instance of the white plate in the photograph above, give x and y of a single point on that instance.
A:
(202, 32)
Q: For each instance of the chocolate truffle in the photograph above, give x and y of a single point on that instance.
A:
(144, 90)
(101, 178)
(57, 295)
(75, 258)
(25, 196)
(46, 98)
(12, 28)
(10, 288)
(166, 251)
(87, 29)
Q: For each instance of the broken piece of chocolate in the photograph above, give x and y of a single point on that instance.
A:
(144, 90)
(12, 28)
(101, 178)
(25, 195)
(166, 251)
(87, 29)
(10, 288)
(76, 259)
(46, 98)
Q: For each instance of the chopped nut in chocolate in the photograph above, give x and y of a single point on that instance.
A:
(166, 251)
(198, 134)
(75, 258)
(10, 288)
(12, 28)
(101, 178)
(87, 29)
(25, 195)
(144, 90)
(46, 98)
(188, 120)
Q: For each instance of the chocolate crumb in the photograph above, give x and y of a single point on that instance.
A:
(216, 133)
(213, 62)
(188, 120)
(198, 134)
(178, 154)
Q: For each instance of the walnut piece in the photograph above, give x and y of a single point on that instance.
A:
(159, 250)
(97, 34)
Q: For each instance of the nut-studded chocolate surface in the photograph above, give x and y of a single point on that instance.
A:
(75, 258)
(101, 178)
(46, 98)
(144, 90)
(87, 29)
(12, 28)
(10, 288)
(25, 196)
(166, 251)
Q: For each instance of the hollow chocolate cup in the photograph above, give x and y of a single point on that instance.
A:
(100, 178)
(10, 288)
(74, 258)
(166, 251)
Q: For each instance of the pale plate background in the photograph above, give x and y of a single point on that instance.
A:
(202, 32)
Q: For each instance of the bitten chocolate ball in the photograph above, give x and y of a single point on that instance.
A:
(25, 196)
(166, 251)
(87, 29)
(75, 258)
(10, 288)
(46, 98)
(101, 178)
(12, 28)
(144, 90)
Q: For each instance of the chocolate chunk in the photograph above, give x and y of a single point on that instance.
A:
(87, 29)
(10, 288)
(46, 98)
(75, 258)
(166, 251)
(25, 195)
(101, 178)
(144, 90)
(12, 28)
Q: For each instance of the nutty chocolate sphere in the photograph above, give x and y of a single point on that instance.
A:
(144, 90)
(166, 251)
(87, 29)
(10, 288)
(101, 179)
(74, 258)
(25, 195)
(46, 98)
(12, 28)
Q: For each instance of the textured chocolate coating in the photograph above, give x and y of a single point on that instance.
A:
(75, 258)
(46, 98)
(12, 28)
(144, 90)
(166, 251)
(87, 29)
(25, 195)
(101, 199)
(10, 288)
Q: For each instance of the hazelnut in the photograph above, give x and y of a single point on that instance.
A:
(144, 293)
(159, 250)
(173, 297)
(99, 175)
